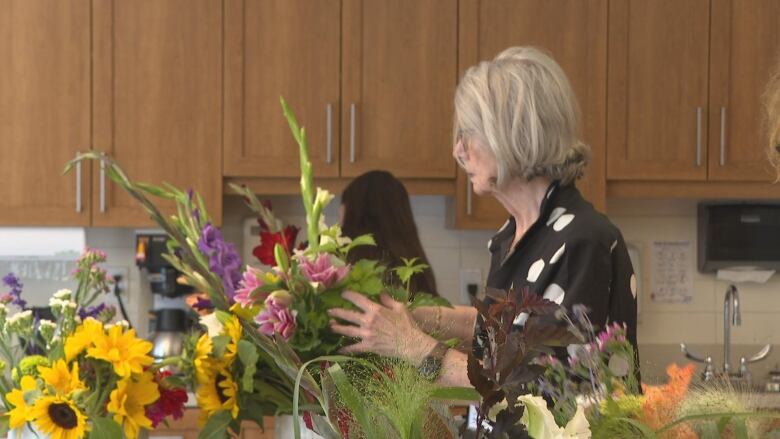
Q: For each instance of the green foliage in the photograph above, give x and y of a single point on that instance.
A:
(216, 427)
(105, 428)
(366, 277)
(247, 352)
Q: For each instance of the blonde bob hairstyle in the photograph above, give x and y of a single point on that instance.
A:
(521, 106)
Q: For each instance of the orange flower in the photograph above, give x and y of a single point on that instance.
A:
(661, 402)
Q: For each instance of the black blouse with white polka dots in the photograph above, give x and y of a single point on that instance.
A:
(571, 255)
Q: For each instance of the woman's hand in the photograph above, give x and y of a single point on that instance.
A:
(386, 328)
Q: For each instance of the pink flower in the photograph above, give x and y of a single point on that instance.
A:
(276, 318)
(323, 270)
(250, 282)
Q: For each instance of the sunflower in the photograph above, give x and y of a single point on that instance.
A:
(82, 338)
(204, 364)
(58, 376)
(216, 394)
(129, 400)
(127, 353)
(232, 329)
(21, 412)
(58, 418)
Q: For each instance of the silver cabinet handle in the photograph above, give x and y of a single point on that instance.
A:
(723, 136)
(469, 195)
(698, 136)
(352, 117)
(329, 133)
(102, 186)
(78, 186)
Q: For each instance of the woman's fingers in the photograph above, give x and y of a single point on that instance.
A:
(354, 349)
(359, 300)
(390, 303)
(349, 330)
(345, 314)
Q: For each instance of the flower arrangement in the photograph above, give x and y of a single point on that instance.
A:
(263, 324)
(90, 377)
(527, 391)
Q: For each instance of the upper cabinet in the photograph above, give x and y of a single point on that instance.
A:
(745, 47)
(274, 48)
(157, 101)
(657, 96)
(372, 82)
(574, 32)
(44, 111)
(685, 85)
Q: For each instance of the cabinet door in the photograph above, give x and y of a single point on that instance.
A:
(399, 74)
(44, 111)
(657, 90)
(745, 49)
(157, 100)
(275, 48)
(574, 32)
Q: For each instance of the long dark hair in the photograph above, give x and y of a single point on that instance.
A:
(377, 203)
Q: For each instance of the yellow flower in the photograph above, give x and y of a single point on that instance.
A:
(128, 403)
(82, 338)
(217, 393)
(232, 329)
(58, 418)
(63, 380)
(21, 412)
(246, 312)
(127, 353)
(204, 364)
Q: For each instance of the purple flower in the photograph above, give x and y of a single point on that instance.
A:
(15, 295)
(276, 318)
(203, 304)
(223, 258)
(250, 282)
(98, 312)
(323, 270)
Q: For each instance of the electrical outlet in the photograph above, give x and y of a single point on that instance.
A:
(470, 284)
(123, 272)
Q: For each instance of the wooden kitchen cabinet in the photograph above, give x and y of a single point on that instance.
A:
(289, 48)
(371, 80)
(44, 111)
(745, 47)
(657, 91)
(574, 32)
(157, 101)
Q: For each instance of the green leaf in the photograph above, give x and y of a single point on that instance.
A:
(455, 393)
(155, 190)
(219, 345)
(216, 427)
(409, 269)
(366, 277)
(247, 352)
(358, 242)
(105, 428)
(4, 425)
(425, 299)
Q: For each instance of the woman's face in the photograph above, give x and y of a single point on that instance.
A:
(477, 161)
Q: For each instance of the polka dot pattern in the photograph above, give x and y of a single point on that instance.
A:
(535, 270)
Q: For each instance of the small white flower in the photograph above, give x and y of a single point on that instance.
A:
(108, 326)
(47, 323)
(71, 304)
(20, 316)
(123, 323)
(63, 294)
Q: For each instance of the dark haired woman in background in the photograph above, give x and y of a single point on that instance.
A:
(377, 203)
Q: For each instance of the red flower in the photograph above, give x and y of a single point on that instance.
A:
(170, 403)
(268, 240)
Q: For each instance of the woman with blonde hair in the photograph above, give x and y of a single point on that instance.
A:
(516, 135)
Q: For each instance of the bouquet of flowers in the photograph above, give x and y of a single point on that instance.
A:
(262, 325)
(79, 375)
(527, 391)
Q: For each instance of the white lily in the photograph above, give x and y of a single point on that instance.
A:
(541, 424)
(212, 324)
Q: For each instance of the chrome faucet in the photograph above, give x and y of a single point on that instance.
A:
(731, 316)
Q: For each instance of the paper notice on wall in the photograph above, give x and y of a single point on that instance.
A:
(672, 272)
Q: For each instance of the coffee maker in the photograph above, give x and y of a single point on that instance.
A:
(170, 317)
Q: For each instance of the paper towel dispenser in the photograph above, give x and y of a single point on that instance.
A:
(738, 235)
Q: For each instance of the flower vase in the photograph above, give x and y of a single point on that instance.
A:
(284, 429)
